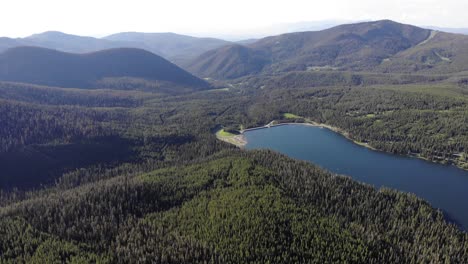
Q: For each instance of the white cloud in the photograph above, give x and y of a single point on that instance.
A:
(92, 17)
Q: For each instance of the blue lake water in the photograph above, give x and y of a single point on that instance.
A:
(445, 187)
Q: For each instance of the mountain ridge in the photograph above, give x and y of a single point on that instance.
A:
(178, 48)
(55, 68)
(171, 46)
(362, 46)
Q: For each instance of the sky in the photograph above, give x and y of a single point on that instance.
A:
(20, 18)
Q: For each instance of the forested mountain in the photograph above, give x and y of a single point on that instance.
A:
(7, 43)
(132, 171)
(140, 177)
(231, 61)
(177, 48)
(55, 68)
(77, 44)
(369, 46)
(440, 53)
(67, 43)
(174, 47)
(236, 207)
(354, 46)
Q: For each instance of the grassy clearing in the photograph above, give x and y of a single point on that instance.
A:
(291, 116)
(222, 133)
(237, 140)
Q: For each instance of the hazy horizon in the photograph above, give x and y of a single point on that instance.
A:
(209, 18)
(274, 29)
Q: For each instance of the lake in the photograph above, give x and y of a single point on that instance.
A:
(445, 187)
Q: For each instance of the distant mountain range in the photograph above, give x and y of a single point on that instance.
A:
(369, 46)
(177, 48)
(64, 42)
(174, 47)
(463, 31)
(54, 68)
(382, 46)
(353, 45)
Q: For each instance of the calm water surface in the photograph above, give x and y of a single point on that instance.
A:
(445, 187)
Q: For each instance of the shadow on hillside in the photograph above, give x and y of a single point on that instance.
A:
(37, 165)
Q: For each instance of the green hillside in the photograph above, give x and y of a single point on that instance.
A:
(176, 48)
(131, 169)
(441, 53)
(54, 68)
(348, 47)
(230, 62)
(381, 46)
(235, 208)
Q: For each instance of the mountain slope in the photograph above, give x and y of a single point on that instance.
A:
(55, 68)
(229, 62)
(76, 44)
(440, 53)
(234, 209)
(7, 43)
(359, 46)
(175, 47)
(66, 42)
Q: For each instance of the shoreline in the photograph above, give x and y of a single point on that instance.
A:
(240, 140)
(237, 140)
(309, 123)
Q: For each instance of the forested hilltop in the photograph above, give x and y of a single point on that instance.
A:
(131, 171)
(50, 67)
(234, 207)
(139, 176)
(402, 114)
(173, 47)
(380, 46)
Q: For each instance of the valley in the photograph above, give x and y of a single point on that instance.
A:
(118, 155)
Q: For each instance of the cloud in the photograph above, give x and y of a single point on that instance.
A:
(91, 17)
